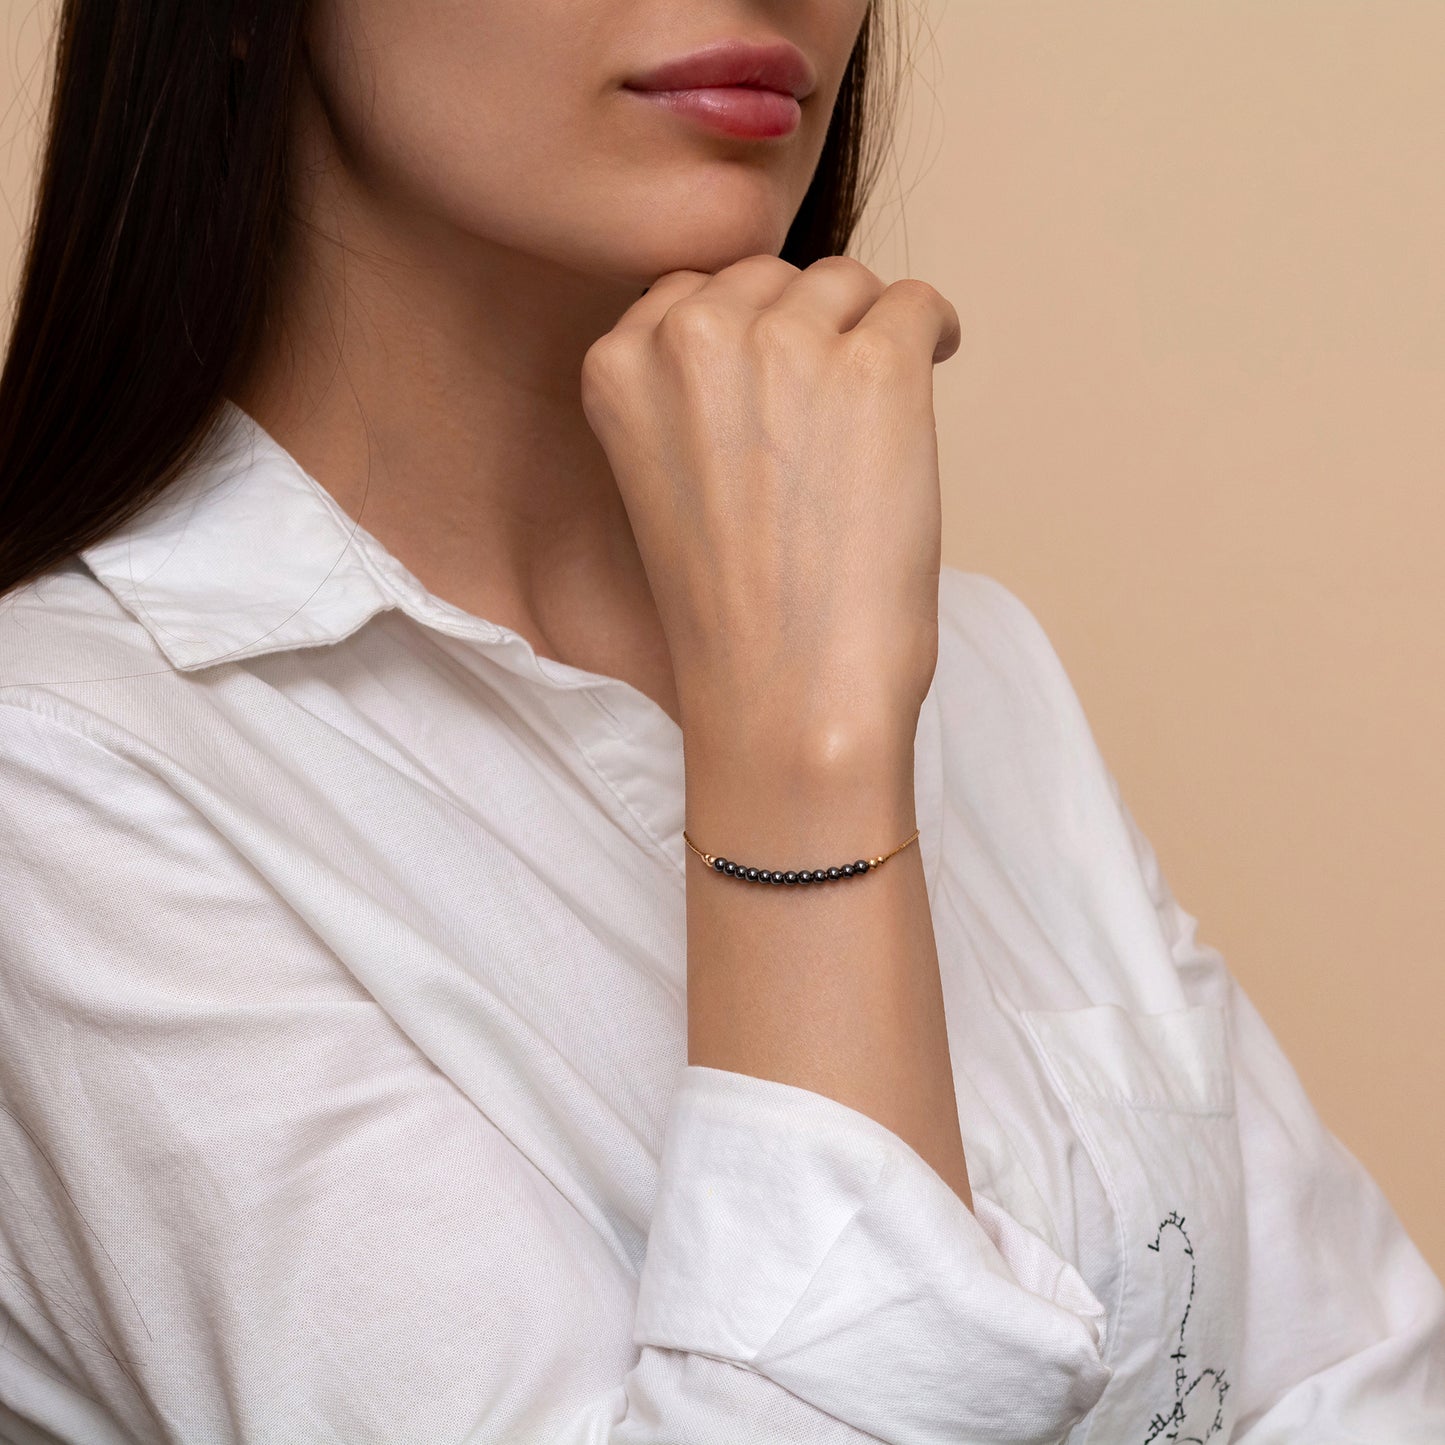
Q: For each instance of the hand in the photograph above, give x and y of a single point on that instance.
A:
(771, 431)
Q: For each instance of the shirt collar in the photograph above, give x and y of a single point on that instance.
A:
(246, 553)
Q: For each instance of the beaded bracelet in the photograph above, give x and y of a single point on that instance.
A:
(807, 875)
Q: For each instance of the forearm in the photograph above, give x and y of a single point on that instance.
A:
(832, 987)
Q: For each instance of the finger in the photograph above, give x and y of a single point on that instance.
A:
(652, 305)
(913, 308)
(744, 287)
(752, 283)
(835, 292)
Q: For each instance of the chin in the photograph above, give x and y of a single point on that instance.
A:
(715, 247)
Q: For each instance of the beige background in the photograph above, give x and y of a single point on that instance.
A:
(1197, 423)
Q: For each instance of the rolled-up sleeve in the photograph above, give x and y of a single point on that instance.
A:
(803, 1240)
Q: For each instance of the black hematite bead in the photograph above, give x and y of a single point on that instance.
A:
(753, 874)
(790, 877)
(764, 876)
(835, 873)
(861, 866)
(805, 876)
(720, 864)
(847, 870)
(775, 876)
(729, 866)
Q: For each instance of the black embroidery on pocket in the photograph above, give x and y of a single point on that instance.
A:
(1216, 1378)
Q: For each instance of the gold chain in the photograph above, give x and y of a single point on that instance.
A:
(711, 858)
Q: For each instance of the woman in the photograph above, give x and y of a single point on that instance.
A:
(455, 498)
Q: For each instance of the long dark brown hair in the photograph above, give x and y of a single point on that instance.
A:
(152, 249)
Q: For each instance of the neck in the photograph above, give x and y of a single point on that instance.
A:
(430, 381)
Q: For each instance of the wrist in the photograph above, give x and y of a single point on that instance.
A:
(809, 760)
(834, 798)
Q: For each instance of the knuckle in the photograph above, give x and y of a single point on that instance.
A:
(689, 324)
(606, 366)
(603, 351)
(603, 360)
(914, 287)
(841, 263)
(765, 261)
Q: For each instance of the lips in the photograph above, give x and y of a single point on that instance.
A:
(778, 66)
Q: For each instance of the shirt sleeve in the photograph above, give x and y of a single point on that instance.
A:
(1344, 1328)
(240, 1206)
(803, 1240)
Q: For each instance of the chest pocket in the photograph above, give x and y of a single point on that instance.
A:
(1152, 1097)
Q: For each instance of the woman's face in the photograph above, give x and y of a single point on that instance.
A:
(508, 120)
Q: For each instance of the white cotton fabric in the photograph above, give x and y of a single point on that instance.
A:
(344, 1093)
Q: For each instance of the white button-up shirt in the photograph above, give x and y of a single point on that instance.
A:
(344, 1092)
